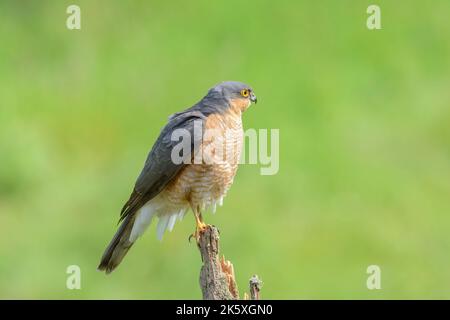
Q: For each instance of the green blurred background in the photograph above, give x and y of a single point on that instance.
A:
(364, 119)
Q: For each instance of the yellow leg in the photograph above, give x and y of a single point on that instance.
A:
(199, 224)
(199, 221)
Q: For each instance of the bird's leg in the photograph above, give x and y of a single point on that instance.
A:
(199, 224)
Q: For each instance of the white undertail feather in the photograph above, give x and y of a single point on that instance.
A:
(172, 220)
(143, 220)
(166, 220)
(162, 226)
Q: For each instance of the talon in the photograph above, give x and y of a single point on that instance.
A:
(199, 229)
(200, 226)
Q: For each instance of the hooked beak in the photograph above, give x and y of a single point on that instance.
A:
(253, 98)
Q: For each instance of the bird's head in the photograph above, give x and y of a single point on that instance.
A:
(239, 95)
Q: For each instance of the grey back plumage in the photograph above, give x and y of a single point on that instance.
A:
(159, 169)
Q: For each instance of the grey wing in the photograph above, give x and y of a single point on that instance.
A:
(159, 169)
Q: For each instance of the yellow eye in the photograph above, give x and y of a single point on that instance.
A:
(245, 93)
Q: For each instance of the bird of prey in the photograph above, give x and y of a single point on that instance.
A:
(167, 189)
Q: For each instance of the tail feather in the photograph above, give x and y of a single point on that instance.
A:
(118, 247)
(131, 228)
(162, 226)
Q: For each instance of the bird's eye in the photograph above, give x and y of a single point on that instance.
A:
(245, 93)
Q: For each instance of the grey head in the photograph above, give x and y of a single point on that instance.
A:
(230, 90)
(219, 98)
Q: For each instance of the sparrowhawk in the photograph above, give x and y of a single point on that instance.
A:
(167, 189)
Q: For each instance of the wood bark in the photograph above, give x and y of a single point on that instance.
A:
(217, 277)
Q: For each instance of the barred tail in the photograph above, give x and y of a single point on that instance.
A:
(118, 247)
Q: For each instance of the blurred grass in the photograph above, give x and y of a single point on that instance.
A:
(364, 140)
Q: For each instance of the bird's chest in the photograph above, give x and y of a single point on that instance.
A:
(207, 180)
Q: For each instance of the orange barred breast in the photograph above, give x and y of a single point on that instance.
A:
(205, 184)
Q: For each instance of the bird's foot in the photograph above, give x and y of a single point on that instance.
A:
(201, 226)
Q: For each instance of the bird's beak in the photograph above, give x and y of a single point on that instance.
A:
(253, 98)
